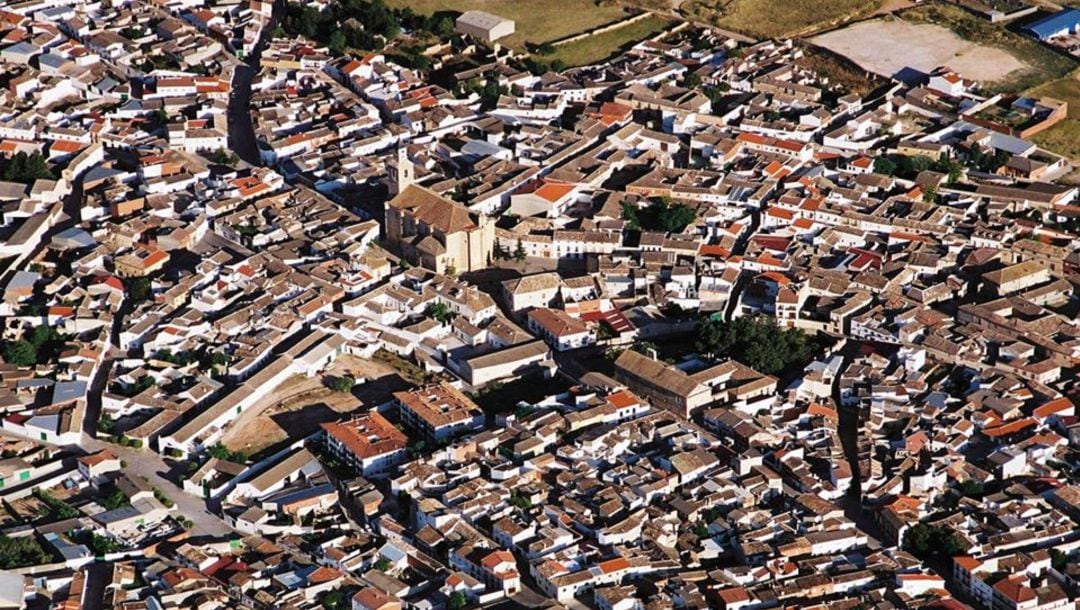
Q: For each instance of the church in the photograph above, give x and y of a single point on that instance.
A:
(432, 231)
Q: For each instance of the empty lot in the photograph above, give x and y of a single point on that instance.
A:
(888, 47)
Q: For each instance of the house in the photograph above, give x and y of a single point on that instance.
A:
(13, 590)
(542, 197)
(671, 388)
(436, 233)
(297, 465)
(944, 80)
(97, 466)
(561, 331)
(368, 443)
(1015, 278)
(439, 412)
(483, 26)
(370, 598)
(539, 290)
(513, 361)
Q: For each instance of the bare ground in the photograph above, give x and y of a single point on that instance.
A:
(300, 404)
(889, 47)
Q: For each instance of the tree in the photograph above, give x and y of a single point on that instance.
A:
(927, 540)
(103, 545)
(55, 509)
(930, 194)
(692, 81)
(519, 252)
(219, 359)
(546, 49)
(334, 600)
(26, 168)
(20, 353)
(337, 41)
(222, 452)
(139, 289)
(883, 165)
(444, 28)
(756, 341)
(343, 384)
(972, 488)
(224, 157)
(106, 424)
(630, 214)
(457, 601)
(440, 311)
(1058, 560)
(20, 552)
(675, 218)
(115, 500)
(382, 565)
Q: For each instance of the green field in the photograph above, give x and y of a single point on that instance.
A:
(601, 46)
(1046, 65)
(1063, 138)
(535, 21)
(779, 18)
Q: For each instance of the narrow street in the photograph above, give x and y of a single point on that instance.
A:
(241, 131)
(739, 250)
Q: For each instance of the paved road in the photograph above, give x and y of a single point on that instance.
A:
(241, 131)
(739, 249)
(145, 463)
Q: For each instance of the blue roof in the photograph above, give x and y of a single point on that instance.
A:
(1047, 26)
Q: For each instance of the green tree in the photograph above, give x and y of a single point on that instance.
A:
(337, 41)
(20, 353)
(26, 168)
(382, 565)
(930, 194)
(519, 252)
(883, 165)
(335, 600)
(106, 424)
(342, 383)
(139, 289)
(440, 311)
(20, 552)
(692, 81)
(1058, 560)
(926, 540)
(756, 341)
(457, 601)
(675, 218)
(444, 28)
(103, 545)
(629, 213)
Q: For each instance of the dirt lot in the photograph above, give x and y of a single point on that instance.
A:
(888, 47)
(300, 404)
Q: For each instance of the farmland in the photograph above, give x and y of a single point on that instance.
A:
(779, 18)
(536, 21)
(1063, 138)
(600, 46)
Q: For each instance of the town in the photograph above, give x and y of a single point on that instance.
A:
(353, 304)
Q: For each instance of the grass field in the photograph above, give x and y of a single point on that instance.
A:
(601, 46)
(779, 18)
(1044, 64)
(1063, 138)
(535, 21)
